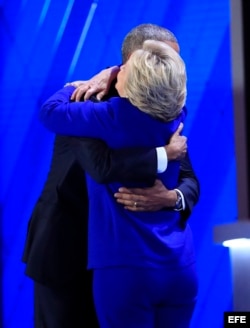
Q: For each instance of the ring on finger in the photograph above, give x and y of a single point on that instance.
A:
(135, 204)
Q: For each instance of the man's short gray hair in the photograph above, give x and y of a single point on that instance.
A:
(135, 38)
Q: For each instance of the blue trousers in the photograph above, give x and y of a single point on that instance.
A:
(144, 297)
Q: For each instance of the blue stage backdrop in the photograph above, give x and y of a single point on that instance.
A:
(45, 43)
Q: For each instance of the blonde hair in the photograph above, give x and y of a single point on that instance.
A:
(156, 80)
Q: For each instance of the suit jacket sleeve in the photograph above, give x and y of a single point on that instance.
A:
(106, 165)
(136, 164)
(93, 120)
(189, 186)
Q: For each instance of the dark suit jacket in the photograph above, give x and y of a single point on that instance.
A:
(56, 244)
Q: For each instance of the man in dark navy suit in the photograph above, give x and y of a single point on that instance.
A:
(56, 245)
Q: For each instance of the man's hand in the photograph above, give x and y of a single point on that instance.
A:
(177, 147)
(98, 85)
(146, 199)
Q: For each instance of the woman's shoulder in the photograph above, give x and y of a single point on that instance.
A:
(119, 101)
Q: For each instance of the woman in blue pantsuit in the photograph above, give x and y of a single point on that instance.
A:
(143, 262)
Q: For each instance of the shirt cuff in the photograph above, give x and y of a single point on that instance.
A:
(162, 159)
(182, 199)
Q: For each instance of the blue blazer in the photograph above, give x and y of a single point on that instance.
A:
(118, 237)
